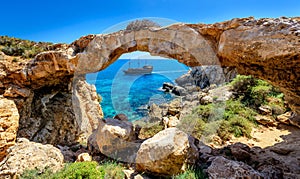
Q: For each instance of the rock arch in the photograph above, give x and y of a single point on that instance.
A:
(178, 41)
(266, 48)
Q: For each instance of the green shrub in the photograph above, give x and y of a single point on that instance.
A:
(37, 174)
(254, 92)
(231, 118)
(112, 170)
(191, 173)
(79, 170)
(18, 47)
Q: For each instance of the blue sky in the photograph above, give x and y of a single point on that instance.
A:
(65, 21)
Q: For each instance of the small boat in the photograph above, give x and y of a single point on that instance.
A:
(147, 69)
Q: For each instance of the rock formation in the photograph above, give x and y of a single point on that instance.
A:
(265, 48)
(203, 76)
(224, 168)
(117, 139)
(9, 123)
(51, 95)
(26, 155)
(167, 153)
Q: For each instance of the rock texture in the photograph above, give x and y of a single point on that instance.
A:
(204, 76)
(26, 155)
(167, 153)
(43, 88)
(224, 168)
(265, 48)
(9, 123)
(117, 139)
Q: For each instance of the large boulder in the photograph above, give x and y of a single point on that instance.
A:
(223, 168)
(9, 123)
(203, 76)
(117, 139)
(155, 113)
(26, 155)
(167, 153)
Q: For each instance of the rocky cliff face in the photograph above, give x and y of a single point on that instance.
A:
(204, 76)
(42, 90)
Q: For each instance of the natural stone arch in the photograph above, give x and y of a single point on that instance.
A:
(178, 41)
(266, 48)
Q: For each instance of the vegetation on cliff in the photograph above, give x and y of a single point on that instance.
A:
(235, 116)
(12, 46)
(141, 24)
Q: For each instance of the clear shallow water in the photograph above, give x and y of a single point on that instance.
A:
(129, 93)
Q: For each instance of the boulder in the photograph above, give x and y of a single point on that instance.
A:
(174, 107)
(173, 121)
(155, 113)
(9, 123)
(26, 155)
(84, 157)
(204, 76)
(167, 153)
(295, 119)
(265, 110)
(206, 100)
(223, 168)
(168, 87)
(284, 118)
(121, 117)
(179, 91)
(266, 120)
(240, 151)
(92, 144)
(117, 139)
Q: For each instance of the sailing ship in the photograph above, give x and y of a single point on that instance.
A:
(146, 69)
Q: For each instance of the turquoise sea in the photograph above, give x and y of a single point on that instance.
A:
(129, 94)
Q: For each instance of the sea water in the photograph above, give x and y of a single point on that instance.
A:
(131, 94)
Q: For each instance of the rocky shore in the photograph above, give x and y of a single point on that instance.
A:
(50, 115)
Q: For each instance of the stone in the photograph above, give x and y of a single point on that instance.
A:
(85, 101)
(204, 149)
(155, 113)
(33, 156)
(117, 139)
(204, 76)
(174, 107)
(284, 118)
(84, 157)
(295, 120)
(167, 153)
(179, 91)
(281, 150)
(9, 123)
(266, 120)
(173, 121)
(240, 151)
(206, 100)
(121, 117)
(92, 144)
(223, 168)
(168, 87)
(265, 110)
